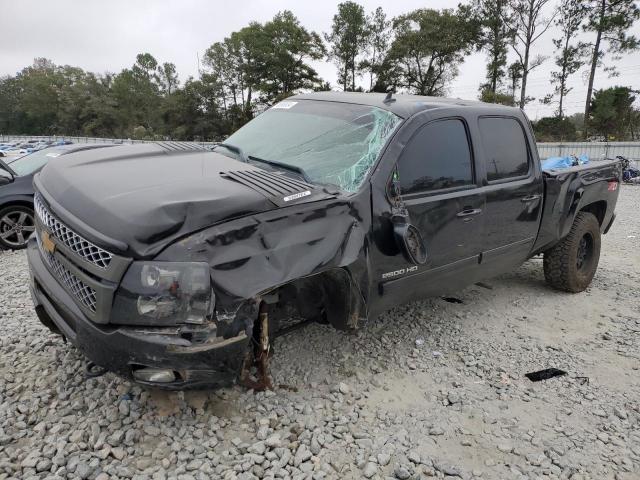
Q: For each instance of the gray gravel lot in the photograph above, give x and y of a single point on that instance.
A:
(431, 389)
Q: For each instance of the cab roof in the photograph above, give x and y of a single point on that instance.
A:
(404, 105)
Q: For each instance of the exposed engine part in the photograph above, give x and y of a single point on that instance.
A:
(258, 354)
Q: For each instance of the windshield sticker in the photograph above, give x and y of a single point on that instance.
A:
(53, 155)
(285, 105)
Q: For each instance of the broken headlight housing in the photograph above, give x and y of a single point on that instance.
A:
(164, 293)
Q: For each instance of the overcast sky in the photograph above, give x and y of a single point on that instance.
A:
(102, 36)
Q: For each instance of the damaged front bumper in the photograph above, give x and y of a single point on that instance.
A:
(161, 357)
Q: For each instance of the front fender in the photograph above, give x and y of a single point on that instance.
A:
(16, 198)
(253, 255)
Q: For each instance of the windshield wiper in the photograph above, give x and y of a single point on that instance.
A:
(245, 158)
(292, 168)
(237, 150)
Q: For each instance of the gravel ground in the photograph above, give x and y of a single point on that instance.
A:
(431, 389)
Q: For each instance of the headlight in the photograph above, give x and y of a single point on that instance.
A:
(164, 293)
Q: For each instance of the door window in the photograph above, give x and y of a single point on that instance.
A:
(505, 147)
(437, 157)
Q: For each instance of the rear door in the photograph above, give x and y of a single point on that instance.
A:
(514, 191)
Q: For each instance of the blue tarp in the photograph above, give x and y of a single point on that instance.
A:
(555, 163)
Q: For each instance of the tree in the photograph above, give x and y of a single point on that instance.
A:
(610, 20)
(232, 65)
(428, 47)
(145, 66)
(634, 124)
(260, 64)
(514, 73)
(577, 119)
(377, 45)
(137, 95)
(11, 116)
(496, 37)
(554, 129)
(38, 87)
(347, 40)
(528, 24)
(488, 96)
(612, 112)
(247, 71)
(167, 77)
(570, 56)
(284, 49)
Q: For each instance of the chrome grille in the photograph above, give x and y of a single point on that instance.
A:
(78, 244)
(83, 292)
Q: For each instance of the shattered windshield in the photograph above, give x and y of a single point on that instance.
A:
(332, 142)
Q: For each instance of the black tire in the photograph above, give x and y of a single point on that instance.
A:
(12, 237)
(572, 263)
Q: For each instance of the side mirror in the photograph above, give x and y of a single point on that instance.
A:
(408, 239)
(5, 177)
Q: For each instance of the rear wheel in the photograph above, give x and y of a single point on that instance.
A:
(16, 226)
(572, 263)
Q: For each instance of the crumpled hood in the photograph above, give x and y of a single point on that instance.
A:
(145, 196)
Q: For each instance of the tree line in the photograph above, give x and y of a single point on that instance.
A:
(416, 52)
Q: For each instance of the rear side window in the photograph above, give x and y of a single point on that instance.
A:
(505, 147)
(437, 157)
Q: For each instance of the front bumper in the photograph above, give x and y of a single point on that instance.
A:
(123, 350)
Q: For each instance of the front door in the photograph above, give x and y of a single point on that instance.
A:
(438, 187)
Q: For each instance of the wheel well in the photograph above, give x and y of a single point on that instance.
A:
(598, 209)
(331, 296)
(19, 203)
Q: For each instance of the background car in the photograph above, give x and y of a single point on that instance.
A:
(16, 192)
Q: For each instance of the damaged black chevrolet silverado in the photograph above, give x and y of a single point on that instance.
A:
(176, 266)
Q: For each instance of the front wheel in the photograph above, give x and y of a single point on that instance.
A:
(16, 226)
(572, 263)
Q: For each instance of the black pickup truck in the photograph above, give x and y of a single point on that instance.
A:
(175, 266)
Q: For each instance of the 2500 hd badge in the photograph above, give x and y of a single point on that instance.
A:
(399, 273)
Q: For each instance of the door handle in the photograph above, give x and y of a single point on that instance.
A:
(468, 212)
(530, 198)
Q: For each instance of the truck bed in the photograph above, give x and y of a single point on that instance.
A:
(593, 187)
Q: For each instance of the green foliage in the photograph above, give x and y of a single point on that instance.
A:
(377, 44)
(167, 78)
(578, 121)
(284, 48)
(526, 20)
(514, 72)
(428, 47)
(610, 21)
(496, 36)
(555, 129)
(612, 114)
(488, 96)
(263, 63)
(347, 39)
(254, 67)
(570, 58)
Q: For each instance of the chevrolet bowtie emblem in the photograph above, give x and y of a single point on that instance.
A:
(47, 243)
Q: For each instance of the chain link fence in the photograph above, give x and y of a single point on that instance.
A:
(594, 150)
(55, 138)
